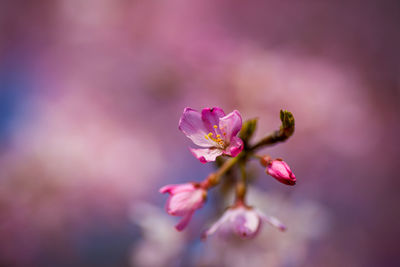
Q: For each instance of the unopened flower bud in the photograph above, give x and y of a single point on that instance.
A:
(279, 169)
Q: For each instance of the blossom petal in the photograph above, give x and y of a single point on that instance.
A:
(231, 124)
(235, 147)
(206, 154)
(272, 221)
(192, 125)
(176, 188)
(247, 224)
(184, 221)
(211, 117)
(184, 202)
(225, 217)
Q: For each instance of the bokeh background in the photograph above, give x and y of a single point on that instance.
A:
(90, 97)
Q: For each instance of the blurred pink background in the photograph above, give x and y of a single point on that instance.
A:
(90, 97)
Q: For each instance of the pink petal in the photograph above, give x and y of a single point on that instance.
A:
(184, 221)
(272, 221)
(278, 168)
(192, 125)
(211, 117)
(235, 147)
(206, 154)
(176, 188)
(231, 124)
(247, 223)
(224, 219)
(183, 202)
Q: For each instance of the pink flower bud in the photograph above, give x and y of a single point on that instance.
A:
(243, 221)
(183, 201)
(278, 169)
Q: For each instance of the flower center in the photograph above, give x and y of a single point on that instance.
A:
(217, 139)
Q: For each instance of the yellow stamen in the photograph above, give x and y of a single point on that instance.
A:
(217, 139)
(215, 126)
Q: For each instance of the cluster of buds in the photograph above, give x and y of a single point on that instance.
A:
(217, 135)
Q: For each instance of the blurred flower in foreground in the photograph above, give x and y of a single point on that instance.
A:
(160, 246)
(214, 131)
(184, 200)
(243, 221)
(307, 221)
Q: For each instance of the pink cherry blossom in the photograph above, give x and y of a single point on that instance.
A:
(183, 201)
(243, 221)
(279, 169)
(214, 131)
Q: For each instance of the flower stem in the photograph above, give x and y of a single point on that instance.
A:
(275, 137)
(241, 185)
(214, 178)
(227, 166)
(285, 131)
